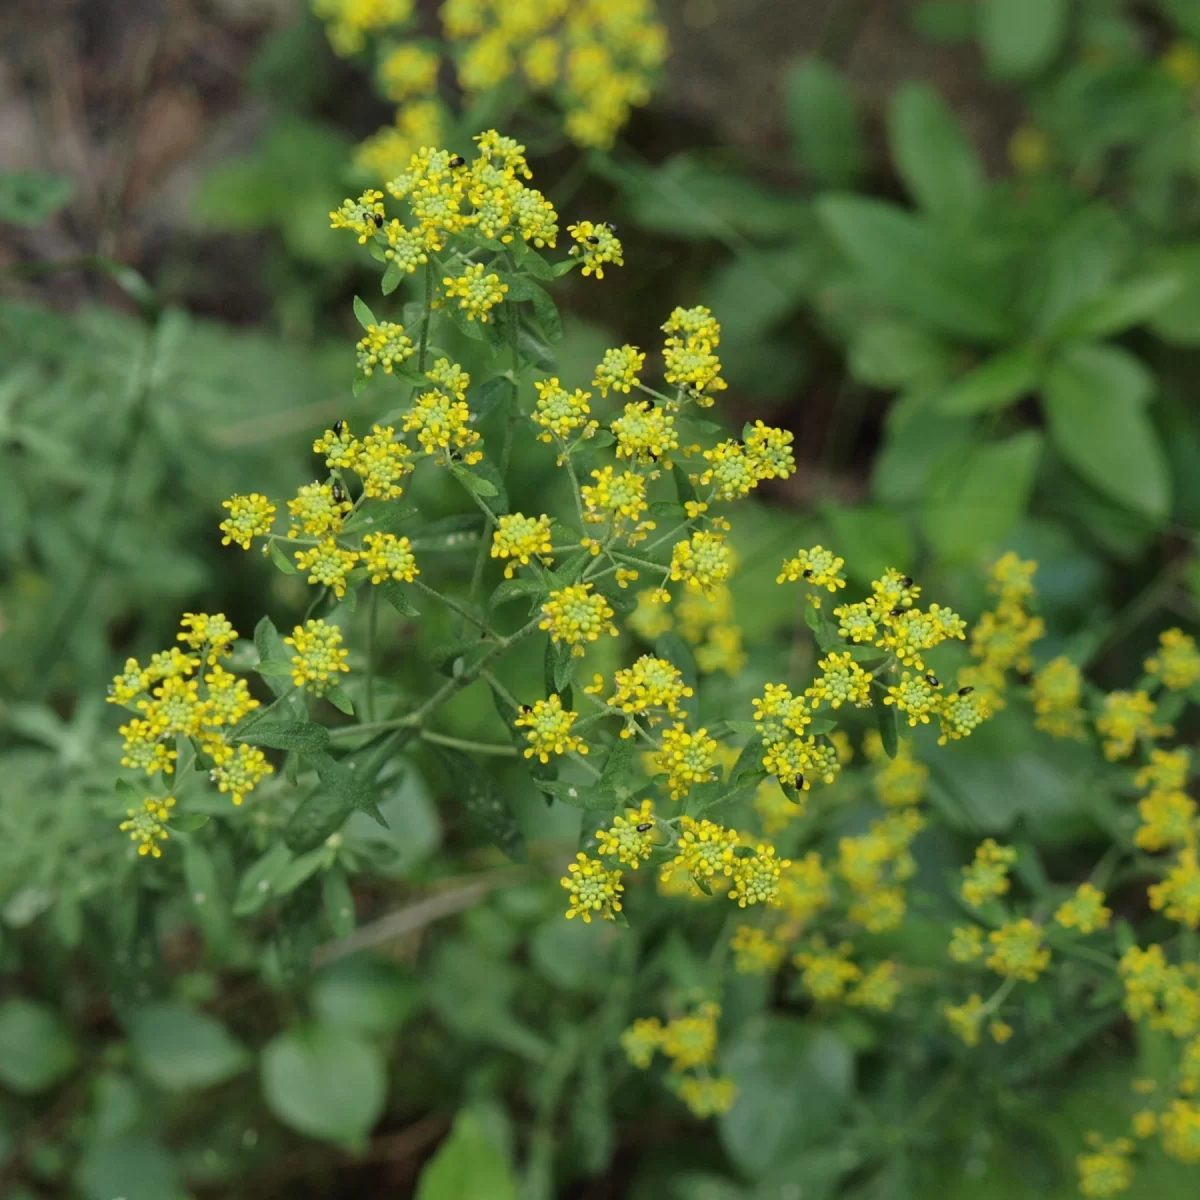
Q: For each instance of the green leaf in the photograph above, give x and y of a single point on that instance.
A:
(944, 20)
(1094, 398)
(270, 648)
(320, 815)
(338, 697)
(871, 540)
(31, 197)
(564, 666)
(275, 668)
(1179, 323)
(885, 722)
(619, 763)
(258, 883)
(338, 901)
(794, 1082)
(281, 560)
(305, 737)
(392, 275)
(366, 994)
(545, 312)
(937, 161)
(977, 497)
(298, 871)
(1121, 306)
(515, 589)
(324, 1082)
(577, 795)
(894, 354)
(1019, 38)
(380, 516)
(467, 1166)
(189, 822)
(352, 787)
(475, 789)
(363, 314)
(497, 393)
(207, 896)
(393, 592)
(1002, 380)
(449, 533)
(820, 114)
(913, 268)
(533, 349)
(35, 1049)
(182, 1049)
(485, 469)
(472, 482)
(683, 484)
(131, 1167)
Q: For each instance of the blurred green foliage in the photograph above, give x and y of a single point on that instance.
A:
(1014, 351)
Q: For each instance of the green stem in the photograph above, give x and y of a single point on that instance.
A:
(427, 320)
(372, 630)
(454, 606)
(441, 739)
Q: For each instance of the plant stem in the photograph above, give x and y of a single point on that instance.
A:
(427, 320)
(441, 739)
(372, 629)
(454, 606)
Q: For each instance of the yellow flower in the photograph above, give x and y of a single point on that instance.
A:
(769, 451)
(645, 434)
(705, 849)
(966, 944)
(407, 70)
(477, 293)
(960, 713)
(576, 615)
(443, 423)
(641, 1040)
(249, 517)
(842, 681)
(387, 556)
(318, 655)
(987, 877)
(964, 1019)
(1179, 893)
(1017, 951)
(703, 562)
(754, 951)
(818, 567)
(210, 632)
(143, 751)
(687, 759)
(877, 989)
(1168, 819)
(549, 726)
(592, 888)
(620, 499)
(1144, 1123)
(450, 377)
(631, 837)
(1057, 688)
(824, 971)
(521, 538)
(756, 878)
(1085, 910)
(130, 683)
(1029, 150)
(317, 511)
(359, 215)
(1167, 770)
(650, 683)
(147, 826)
(691, 1041)
(1126, 717)
(915, 697)
(1177, 662)
(596, 245)
(1001, 1031)
(339, 446)
(559, 412)
(707, 1095)
(619, 369)
(1106, 1169)
(1011, 578)
(327, 563)
(385, 346)
(240, 770)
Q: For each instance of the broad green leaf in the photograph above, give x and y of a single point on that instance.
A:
(497, 392)
(871, 540)
(270, 647)
(280, 559)
(564, 667)
(392, 276)
(31, 197)
(355, 788)
(1019, 38)
(208, 897)
(932, 153)
(181, 1049)
(1000, 381)
(1179, 322)
(618, 763)
(545, 311)
(258, 883)
(35, 1049)
(820, 113)
(132, 1168)
(476, 790)
(976, 497)
(793, 1082)
(515, 589)
(886, 723)
(324, 1082)
(912, 267)
(472, 482)
(305, 737)
(1095, 410)
(894, 354)
(363, 314)
(340, 699)
(364, 994)
(467, 1166)
(1121, 306)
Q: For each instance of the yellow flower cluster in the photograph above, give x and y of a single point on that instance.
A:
(1177, 663)
(592, 888)
(549, 726)
(689, 355)
(1168, 813)
(576, 615)
(519, 539)
(987, 877)
(176, 697)
(319, 656)
(650, 684)
(876, 865)
(147, 826)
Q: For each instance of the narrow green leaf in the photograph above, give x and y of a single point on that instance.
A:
(393, 592)
(280, 559)
(1121, 306)
(381, 516)
(683, 484)
(1100, 427)
(449, 533)
(472, 482)
(515, 589)
(340, 700)
(363, 314)
(577, 795)
(933, 154)
(885, 720)
(1002, 380)
(545, 312)
(497, 393)
(257, 884)
(392, 275)
(820, 112)
(339, 902)
(30, 197)
(619, 764)
(564, 667)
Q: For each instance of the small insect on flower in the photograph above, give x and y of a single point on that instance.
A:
(457, 161)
